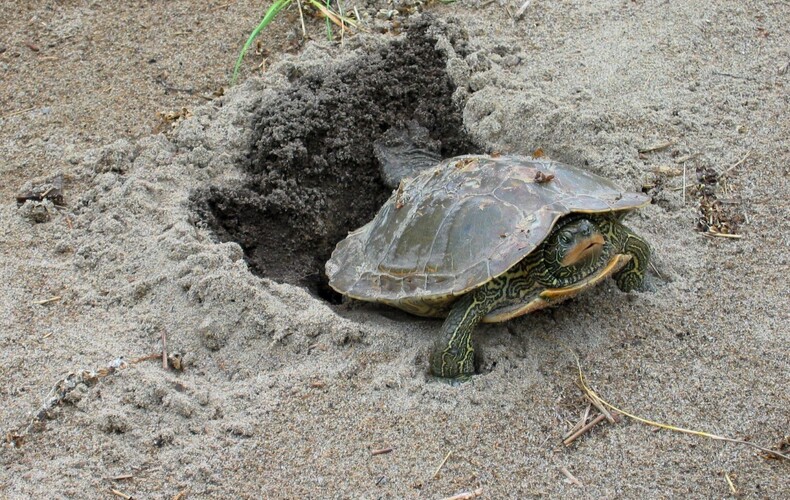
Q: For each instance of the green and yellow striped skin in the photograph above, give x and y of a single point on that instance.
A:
(581, 250)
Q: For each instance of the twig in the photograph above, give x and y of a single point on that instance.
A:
(17, 112)
(220, 7)
(47, 301)
(729, 481)
(164, 350)
(578, 424)
(600, 418)
(685, 158)
(656, 147)
(716, 234)
(120, 494)
(655, 269)
(570, 476)
(467, 495)
(436, 472)
(684, 184)
(122, 477)
(381, 451)
(736, 164)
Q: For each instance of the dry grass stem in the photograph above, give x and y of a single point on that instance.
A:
(600, 407)
(656, 147)
(684, 184)
(655, 269)
(436, 472)
(47, 301)
(736, 164)
(570, 476)
(220, 7)
(120, 494)
(685, 158)
(467, 495)
(164, 350)
(730, 483)
(381, 451)
(301, 18)
(17, 112)
(716, 234)
(339, 21)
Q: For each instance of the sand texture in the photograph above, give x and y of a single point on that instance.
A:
(211, 232)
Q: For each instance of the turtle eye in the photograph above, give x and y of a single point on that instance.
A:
(565, 238)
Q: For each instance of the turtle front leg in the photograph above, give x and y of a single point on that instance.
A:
(453, 356)
(632, 275)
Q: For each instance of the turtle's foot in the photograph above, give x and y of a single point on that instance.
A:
(452, 367)
(632, 276)
(629, 278)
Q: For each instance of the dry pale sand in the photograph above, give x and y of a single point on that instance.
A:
(285, 393)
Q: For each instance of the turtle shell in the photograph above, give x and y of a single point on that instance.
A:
(461, 223)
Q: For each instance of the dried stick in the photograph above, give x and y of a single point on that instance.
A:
(730, 483)
(736, 164)
(656, 147)
(467, 495)
(570, 476)
(584, 429)
(47, 301)
(578, 424)
(436, 472)
(164, 350)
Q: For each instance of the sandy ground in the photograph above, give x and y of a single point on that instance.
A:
(286, 394)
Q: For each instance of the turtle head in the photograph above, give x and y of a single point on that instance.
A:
(574, 250)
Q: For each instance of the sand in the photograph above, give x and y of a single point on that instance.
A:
(211, 233)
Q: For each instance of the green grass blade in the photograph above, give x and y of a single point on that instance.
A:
(270, 15)
(328, 25)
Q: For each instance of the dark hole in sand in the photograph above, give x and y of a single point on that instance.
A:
(313, 175)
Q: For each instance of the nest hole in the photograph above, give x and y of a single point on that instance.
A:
(312, 175)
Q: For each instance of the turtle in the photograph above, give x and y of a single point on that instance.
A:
(487, 238)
